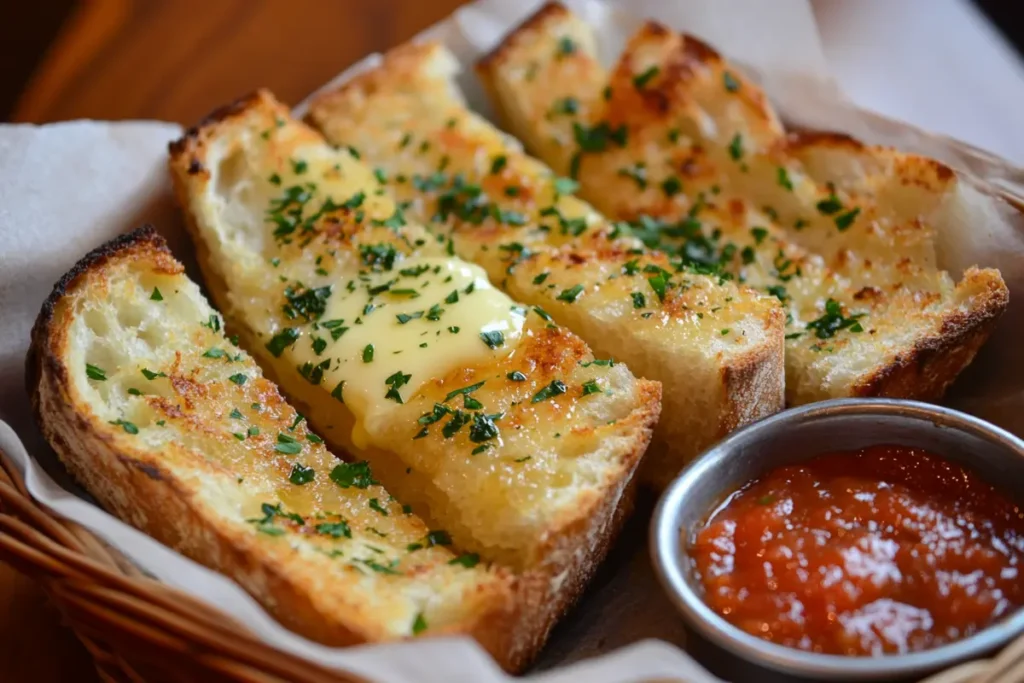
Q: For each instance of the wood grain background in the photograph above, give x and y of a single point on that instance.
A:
(177, 60)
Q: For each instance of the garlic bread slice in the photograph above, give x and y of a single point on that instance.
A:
(176, 431)
(716, 347)
(677, 142)
(492, 422)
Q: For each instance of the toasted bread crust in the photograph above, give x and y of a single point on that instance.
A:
(577, 544)
(931, 366)
(134, 483)
(550, 12)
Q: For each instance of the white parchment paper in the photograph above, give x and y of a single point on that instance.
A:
(65, 188)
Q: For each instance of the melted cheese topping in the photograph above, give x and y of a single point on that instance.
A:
(400, 328)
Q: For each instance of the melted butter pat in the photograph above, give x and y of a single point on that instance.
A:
(422, 327)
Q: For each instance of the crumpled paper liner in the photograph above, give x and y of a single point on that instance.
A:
(65, 188)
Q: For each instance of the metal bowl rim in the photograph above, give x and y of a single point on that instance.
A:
(666, 544)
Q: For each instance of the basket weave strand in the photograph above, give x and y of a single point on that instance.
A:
(138, 629)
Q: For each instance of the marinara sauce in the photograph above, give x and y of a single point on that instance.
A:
(883, 550)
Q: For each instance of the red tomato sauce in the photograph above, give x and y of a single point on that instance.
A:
(884, 550)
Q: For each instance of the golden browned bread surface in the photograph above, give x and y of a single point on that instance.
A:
(489, 419)
(716, 347)
(175, 430)
(679, 143)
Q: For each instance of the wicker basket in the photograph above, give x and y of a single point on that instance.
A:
(138, 629)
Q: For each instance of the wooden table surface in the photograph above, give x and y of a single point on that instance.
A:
(176, 60)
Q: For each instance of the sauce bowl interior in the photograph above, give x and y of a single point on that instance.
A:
(797, 435)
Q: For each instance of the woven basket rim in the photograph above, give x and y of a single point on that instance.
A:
(137, 628)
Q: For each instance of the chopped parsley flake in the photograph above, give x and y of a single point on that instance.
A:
(830, 206)
(308, 303)
(542, 313)
(355, 474)
(467, 560)
(287, 444)
(782, 175)
(493, 338)
(566, 46)
(95, 372)
(671, 186)
(570, 295)
(396, 382)
(419, 625)
(483, 428)
(463, 391)
(638, 173)
(368, 353)
(282, 340)
(301, 474)
(596, 138)
(659, 283)
(238, 378)
(591, 387)
(403, 318)
(334, 529)
(377, 507)
(731, 84)
(556, 388)
(778, 291)
(126, 426)
(844, 221)
(354, 202)
(566, 105)
(378, 256)
(833, 321)
(149, 374)
(516, 376)
(736, 147)
(156, 295)
(640, 81)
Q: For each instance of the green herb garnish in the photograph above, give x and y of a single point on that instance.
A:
(640, 81)
(833, 321)
(493, 338)
(355, 474)
(556, 388)
(301, 474)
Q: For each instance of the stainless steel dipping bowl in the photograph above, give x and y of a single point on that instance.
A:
(797, 435)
